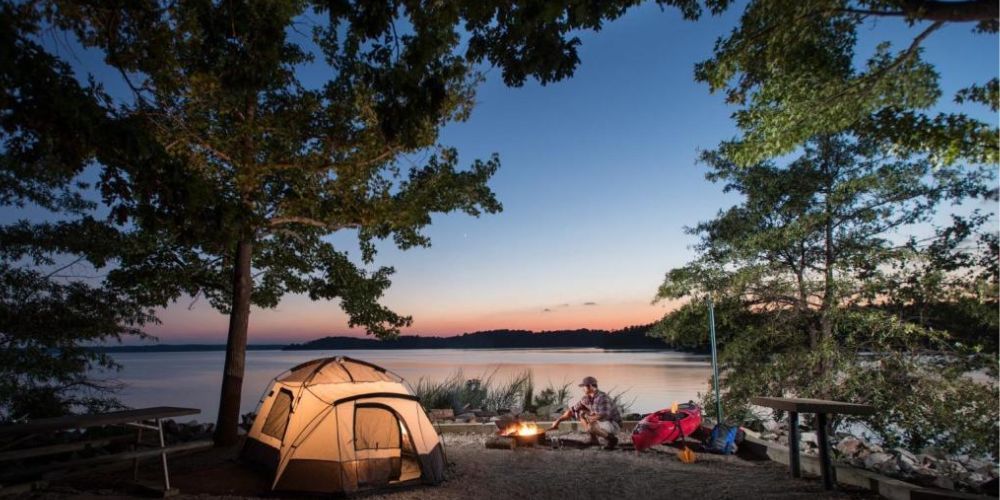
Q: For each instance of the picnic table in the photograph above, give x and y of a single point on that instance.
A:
(141, 419)
(822, 408)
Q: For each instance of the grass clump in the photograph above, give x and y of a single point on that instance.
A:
(516, 393)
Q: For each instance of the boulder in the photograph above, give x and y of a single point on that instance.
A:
(989, 470)
(932, 451)
(850, 446)
(975, 464)
(875, 459)
(907, 461)
(809, 438)
(889, 467)
(924, 475)
(974, 480)
(908, 466)
(927, 460)
(438, 414)
(952, 467)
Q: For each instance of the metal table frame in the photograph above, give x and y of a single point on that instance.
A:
(141, 419)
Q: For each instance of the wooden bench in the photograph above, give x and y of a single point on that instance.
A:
(140, 419)
(821, 408)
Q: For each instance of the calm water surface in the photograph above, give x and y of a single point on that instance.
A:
(192, 379)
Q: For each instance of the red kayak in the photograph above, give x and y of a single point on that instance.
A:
(666, 426)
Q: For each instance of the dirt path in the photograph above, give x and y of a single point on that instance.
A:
(479, 473)
(594, 473)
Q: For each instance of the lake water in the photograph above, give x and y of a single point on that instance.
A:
(653, 379)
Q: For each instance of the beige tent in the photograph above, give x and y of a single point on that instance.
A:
(340, 425)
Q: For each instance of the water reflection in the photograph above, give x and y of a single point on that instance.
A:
(192, 379)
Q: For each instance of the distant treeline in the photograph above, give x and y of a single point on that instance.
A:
(628, 338)
(633, 337)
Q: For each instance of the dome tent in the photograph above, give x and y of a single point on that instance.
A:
(339, 425)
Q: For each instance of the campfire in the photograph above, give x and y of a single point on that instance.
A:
(520, 429)
(515, 433)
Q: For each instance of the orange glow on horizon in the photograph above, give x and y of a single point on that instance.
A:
(295, 321)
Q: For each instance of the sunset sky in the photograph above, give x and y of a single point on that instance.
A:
(597, 180)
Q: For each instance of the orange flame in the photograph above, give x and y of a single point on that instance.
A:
(673, 407)
(521, 429)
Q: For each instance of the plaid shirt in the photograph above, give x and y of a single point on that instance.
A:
(600, 404)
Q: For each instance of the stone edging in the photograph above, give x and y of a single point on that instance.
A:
(885, 486)
(491, 428)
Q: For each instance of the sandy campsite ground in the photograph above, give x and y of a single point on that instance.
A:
(480, 473)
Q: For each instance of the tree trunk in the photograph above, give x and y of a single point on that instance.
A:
(227, 424)
(829, 287)
(803, 305)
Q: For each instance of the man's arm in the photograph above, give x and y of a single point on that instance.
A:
(565, 416)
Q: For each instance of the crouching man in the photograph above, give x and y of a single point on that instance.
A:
(597, 414)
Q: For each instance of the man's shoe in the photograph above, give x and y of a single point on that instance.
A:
(612, 442)
(593, 440)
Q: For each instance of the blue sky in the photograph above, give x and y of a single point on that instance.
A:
(598, 180)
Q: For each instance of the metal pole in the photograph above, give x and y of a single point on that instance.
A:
(163, 459)
(715, 359)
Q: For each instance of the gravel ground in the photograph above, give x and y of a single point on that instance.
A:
(480, 473)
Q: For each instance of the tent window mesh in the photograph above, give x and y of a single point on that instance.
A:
(375, 428)
(277, 418)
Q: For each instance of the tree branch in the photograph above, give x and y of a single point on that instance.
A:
(308, 221)
(937, 10)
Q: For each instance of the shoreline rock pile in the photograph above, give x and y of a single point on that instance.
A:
(931, 467)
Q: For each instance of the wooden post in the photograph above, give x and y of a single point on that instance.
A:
(824, 451)
(793, 443)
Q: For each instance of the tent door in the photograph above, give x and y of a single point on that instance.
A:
(383, 447)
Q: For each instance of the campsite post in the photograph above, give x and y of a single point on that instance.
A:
(715, 360)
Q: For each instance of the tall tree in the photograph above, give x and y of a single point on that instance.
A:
(800, 263)
(225, 173)
(242, 171)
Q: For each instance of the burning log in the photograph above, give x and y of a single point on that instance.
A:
(501, 443)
